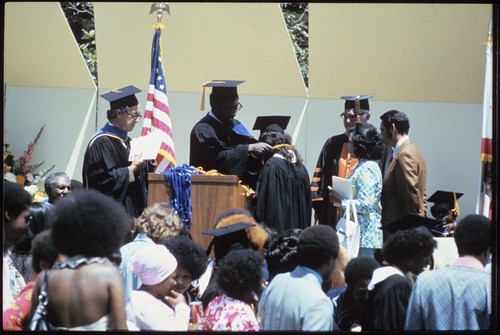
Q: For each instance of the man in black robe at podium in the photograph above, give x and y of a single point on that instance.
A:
(106, 165)
(220, 142)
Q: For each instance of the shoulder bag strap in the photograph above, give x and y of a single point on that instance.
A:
(43, 298)
(348, 209)
(354, 212)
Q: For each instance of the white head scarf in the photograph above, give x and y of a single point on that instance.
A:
(153, 263)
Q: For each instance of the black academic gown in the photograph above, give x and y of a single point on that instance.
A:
(387, 305)
(346, 316)
(283, 195)
(214, 145)
(105, 168)
(327, 166)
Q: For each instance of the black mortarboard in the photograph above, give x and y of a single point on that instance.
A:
(350, 101)
(277, 123)
(229, 237)
(221, 89)
(445, 197)
(122, 97)
(412, 221)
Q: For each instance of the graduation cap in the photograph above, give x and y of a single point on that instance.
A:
(122, 97)
(412, 221)
(277, 123)
(221, 89)
(357, 101)
(446, 200)
(228, 238)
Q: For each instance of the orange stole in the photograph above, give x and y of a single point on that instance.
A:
(346, 162)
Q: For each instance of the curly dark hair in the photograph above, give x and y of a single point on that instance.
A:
(317, 245)
(274, 138)
(405, 244)
(43, 250)
(189, 254)
(282, 256)
(399, 119)
(89, 223)
(360, 268)
(473, 235)
(366, 140)
(15, 199)
(240, 272)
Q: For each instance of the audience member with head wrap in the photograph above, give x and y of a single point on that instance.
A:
(155, 305)
(156, 224)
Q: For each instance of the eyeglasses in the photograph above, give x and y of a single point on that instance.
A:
(236, 108)
(133, 115)
(350, 117)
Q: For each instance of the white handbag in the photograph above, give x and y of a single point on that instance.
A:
(348, 230)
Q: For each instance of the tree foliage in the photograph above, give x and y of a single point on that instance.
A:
(80, 16)
(296, 16)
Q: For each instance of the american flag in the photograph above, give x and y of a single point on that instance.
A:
(157, 112)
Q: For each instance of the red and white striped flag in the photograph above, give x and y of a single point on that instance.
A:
(484, 197)
(157, 112)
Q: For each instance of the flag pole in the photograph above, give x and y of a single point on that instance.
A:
(157, 111)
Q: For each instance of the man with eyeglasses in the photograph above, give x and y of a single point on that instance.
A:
(334, 160)
(106, 165)
(220, 142)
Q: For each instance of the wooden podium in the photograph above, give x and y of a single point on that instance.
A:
(210, 195)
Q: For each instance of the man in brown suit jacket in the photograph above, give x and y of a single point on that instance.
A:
(403, 190)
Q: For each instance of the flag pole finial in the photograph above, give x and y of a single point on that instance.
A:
(159, 7)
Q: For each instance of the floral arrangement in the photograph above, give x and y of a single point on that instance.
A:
(21, 171)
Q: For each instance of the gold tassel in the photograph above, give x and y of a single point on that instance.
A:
(456, 208)
(356, 106)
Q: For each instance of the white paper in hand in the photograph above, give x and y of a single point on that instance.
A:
(342, 186)
(145, 147)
